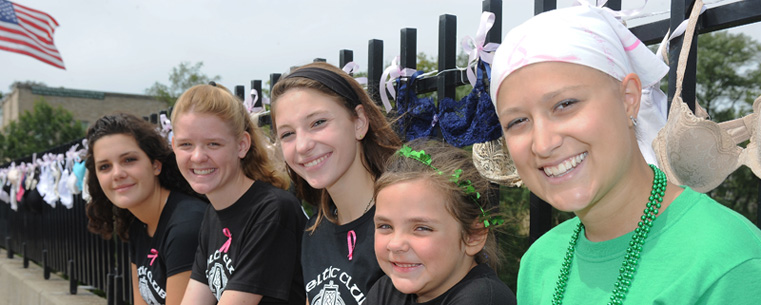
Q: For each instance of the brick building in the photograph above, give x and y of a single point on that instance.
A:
(85, 106)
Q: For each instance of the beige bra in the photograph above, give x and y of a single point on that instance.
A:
(700, 153)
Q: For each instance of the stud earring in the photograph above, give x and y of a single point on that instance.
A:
(634, 120)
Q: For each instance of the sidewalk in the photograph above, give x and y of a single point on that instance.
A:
(19, 286)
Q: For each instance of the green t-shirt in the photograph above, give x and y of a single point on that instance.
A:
(698, 252)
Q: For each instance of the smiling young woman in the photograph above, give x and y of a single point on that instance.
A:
(334, 140)
(133, 180)
(568, 90)
(250, 237)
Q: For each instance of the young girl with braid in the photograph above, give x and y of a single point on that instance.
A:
(434, 233)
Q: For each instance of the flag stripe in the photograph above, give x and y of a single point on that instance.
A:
(21, 50)
(36, 26)
(14, 29)
(41, 15)
(23, 40)
(29, 32)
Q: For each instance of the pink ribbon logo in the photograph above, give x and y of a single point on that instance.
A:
(226, 246)
(351, 241)
(154, 254)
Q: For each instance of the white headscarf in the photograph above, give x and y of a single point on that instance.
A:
(592, 37)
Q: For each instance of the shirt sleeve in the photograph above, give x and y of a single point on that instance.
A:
(738, 286)
(181, 243)
(269, 252)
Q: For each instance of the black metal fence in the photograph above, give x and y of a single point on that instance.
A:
(57, 238)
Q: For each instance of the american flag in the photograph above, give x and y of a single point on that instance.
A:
(28, 31)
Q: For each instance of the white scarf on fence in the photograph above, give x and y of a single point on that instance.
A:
(593, 37)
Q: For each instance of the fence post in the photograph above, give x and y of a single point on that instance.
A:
(25, 255)
(494, 6)
(8, 247)
(679, 11)
(110, 287)
(345, 57)
(72, 278)
(541, 6)
(613, 4)
(257, 85)
(45, 265)
(240, 92)
(408, 48)
(447, 56)
(374, 68)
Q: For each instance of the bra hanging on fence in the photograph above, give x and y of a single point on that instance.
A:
(465, 122)
(700, 153)
(697, 152)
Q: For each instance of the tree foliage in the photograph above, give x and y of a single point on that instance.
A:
(182, 77)
(26, 83)
(43, 128)
(728, 81)
(729, 73)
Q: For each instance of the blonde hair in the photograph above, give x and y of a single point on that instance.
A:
(465, 208)
(220, 102)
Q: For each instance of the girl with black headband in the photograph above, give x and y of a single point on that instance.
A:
(334, 140)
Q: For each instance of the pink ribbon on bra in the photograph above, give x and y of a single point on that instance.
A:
(226, 246)
(351, 241)
(154, 254)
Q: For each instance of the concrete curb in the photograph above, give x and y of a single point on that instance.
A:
(19, 286)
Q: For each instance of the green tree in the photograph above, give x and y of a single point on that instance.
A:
(729, 74)
(43, 128)
(28, 83)
(181, 78)
(728, 81)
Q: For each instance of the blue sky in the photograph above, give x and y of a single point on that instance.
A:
(126, 46)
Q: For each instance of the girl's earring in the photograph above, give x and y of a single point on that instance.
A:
(634, 120)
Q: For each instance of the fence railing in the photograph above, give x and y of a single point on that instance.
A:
(57, 238)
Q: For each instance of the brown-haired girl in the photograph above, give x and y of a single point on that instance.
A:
(334, 140)
(133, 181)
(434, 234)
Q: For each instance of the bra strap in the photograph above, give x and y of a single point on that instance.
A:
(684, 54)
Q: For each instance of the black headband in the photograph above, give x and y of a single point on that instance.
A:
(331, 80)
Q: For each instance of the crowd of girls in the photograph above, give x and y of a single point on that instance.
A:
(213, 219)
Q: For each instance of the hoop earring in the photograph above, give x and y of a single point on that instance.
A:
(634, 120)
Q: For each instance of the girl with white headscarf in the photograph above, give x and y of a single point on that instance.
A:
(568, 89)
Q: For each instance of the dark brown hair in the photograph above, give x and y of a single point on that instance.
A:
(379, 142)
(220, 102)
(463, 207)
(105, 217)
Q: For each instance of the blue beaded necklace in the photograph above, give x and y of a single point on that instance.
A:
(629, 265)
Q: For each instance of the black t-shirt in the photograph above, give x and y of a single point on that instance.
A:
(253, 246)
(329, 275)
(480, 286)
(175, 242)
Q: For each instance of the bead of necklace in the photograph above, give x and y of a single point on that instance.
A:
(631, 259)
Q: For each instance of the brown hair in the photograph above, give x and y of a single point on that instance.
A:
(378, 144)
(217, 100)
(466, 209)
(101, 212)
